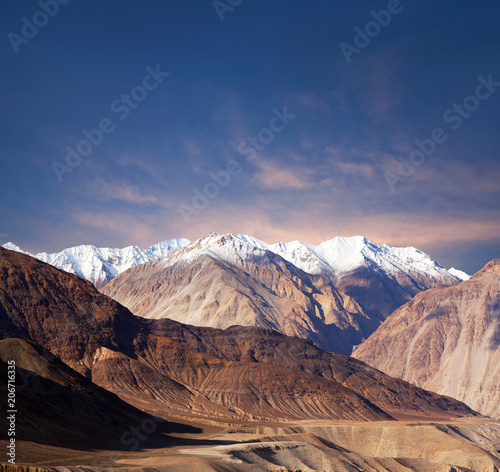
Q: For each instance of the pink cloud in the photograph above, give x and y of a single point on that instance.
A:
(106, 191)
(275, 177)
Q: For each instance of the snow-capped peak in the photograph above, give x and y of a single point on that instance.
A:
(100, 265)
(460, 274)
(237, 250)
(333, 258)
(341, 255)
(13, 247)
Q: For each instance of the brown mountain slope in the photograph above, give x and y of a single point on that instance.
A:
(57, 406)
(147, 360)
(250, 344)
(105, 342)
(60, 311)
(244, 390)
(447, 340)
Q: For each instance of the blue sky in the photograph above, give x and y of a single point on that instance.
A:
(342, 163)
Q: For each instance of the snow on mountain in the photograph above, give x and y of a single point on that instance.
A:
(343, 255)
(13, 247)
(221, 281)
(459, 274)
(336, 257)
(380, 278)
(236, 250)
(100, 265)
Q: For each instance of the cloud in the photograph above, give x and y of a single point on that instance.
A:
(465, 182)
(320, 215)
(341, 97)
(354, 169)
(313, 216)
(191, 147)
(423, 230)
(271, 176)
(145, 165)
(122, 227)
(124, 192)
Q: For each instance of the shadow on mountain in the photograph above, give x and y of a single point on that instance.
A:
(494, 341)
(57, 406)
(440, 311)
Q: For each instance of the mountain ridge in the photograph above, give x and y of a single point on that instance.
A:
(334, 257)
(101, 264)
(223, 280)
(180, 367)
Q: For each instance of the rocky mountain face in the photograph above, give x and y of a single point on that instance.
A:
(446, 340)
(158, 364)
(250, 344)
(379, 277)
(335, 294)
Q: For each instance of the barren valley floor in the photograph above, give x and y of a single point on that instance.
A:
(469, 444)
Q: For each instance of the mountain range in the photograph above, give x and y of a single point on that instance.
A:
(336, 257)
(93, 376)
(247, 373)
(100, 264)
(335, 294)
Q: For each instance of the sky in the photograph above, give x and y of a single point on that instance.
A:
(130, 122)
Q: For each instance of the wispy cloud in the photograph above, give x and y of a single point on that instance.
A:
(295, 219)
(273, 176)
(142, 230)
(453, 180)
(132, 161)
(123, 191)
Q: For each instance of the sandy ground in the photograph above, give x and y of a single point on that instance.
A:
(409, 444)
